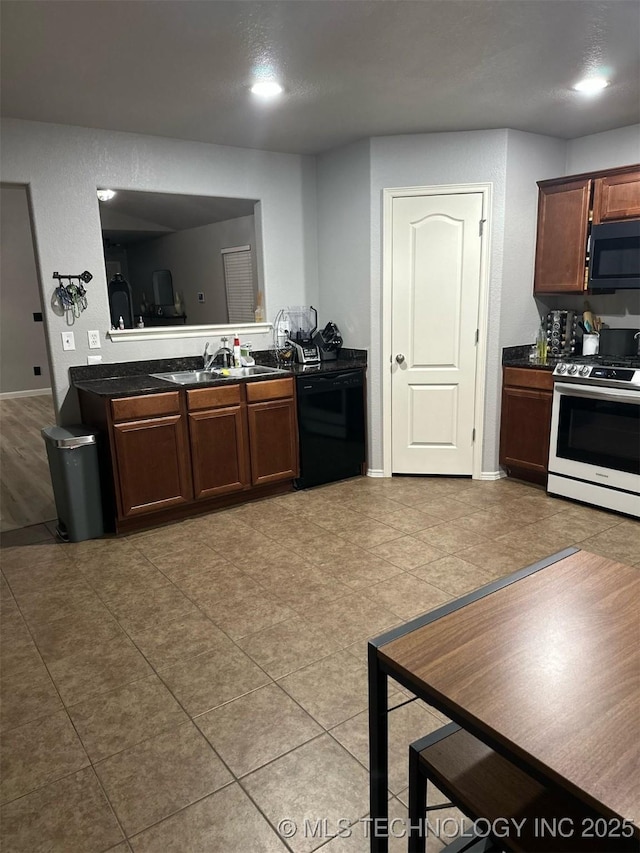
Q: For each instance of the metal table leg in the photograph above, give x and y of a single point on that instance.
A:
(378, 754)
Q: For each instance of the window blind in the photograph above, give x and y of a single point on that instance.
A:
(238, 279)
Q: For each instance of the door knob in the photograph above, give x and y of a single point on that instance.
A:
(399, 358)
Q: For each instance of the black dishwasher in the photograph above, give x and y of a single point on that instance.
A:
(331, 425)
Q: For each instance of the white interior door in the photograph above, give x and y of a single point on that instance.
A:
(436, 257)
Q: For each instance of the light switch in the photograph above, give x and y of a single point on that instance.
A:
(68, 341)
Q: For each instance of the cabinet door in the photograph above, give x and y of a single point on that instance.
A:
(525, 429)
(152, 464)
(563, 215)
(617, 197)
(219, 455)
(273, 440)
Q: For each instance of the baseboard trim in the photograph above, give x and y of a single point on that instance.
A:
(375, 472)
(492, 475)
(36, 392)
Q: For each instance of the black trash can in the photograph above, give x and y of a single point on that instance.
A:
(75, 475)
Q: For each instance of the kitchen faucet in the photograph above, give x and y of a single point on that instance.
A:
(225, 354)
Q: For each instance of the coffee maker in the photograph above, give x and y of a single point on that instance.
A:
(329, 342)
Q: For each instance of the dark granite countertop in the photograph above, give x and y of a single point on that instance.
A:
(125, 379)
(519, 357)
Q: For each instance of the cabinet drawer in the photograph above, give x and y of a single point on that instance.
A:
(212, 398)
(529, 378)
(271, 389)
(147, 406)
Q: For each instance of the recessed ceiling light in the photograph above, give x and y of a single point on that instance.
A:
(105, 195)
(590, 85)
(266, 88)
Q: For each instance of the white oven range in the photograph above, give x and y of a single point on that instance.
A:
(594, 453)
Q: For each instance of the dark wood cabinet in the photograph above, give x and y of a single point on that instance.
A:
(563, 216)
(566, 208)
(152, 464)
(218, 434)
(525, 425)
(170, 454)
(273, 441)
(616, 197)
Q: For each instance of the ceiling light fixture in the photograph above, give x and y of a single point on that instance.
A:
(105, 195)
(591, 85)
(266, 88)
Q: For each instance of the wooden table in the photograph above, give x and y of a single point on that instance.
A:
(542, 666)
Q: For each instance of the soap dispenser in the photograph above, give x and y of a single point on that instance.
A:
(236, 350)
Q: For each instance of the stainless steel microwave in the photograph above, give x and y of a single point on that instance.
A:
(614, 255)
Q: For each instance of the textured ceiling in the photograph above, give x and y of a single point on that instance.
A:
(350, 69)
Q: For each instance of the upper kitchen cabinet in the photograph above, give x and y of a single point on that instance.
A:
(566, 209)
(616, 197)
(563, 217)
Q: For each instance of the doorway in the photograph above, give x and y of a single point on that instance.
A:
(435, 304)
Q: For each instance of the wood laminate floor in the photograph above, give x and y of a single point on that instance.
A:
(26, 496)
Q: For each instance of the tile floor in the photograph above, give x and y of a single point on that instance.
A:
(186, 689)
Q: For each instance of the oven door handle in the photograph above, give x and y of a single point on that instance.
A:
(611, 394)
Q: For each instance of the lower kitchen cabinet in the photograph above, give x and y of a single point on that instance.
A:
(525, 427)
(170, 454)
(219, 452)
(273, 441)
(152, 464)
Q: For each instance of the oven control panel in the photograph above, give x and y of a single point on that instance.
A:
(623, 376)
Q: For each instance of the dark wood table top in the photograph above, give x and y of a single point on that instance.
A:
(549, 669)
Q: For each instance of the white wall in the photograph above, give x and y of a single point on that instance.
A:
(344, 252)
(22, 341)
(530, 158)
(195, 260)
(64, 166)
(433, 160)
(620, 147)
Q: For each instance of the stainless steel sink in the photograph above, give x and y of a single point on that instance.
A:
(191, 377)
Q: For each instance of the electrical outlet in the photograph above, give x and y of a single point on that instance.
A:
(68, 341)
(94, 340)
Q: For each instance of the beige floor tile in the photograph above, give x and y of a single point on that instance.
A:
(350, 618)
(169, 642)
(152, 606)
(64, 601)
(27, 696)
(118, 720)
(243, 615)
(223, 822)
(453, 575)
(82, 631)
(180, 561)
(18, 652)
(71, 815)
(408, 596)
(331, 690)
(319, 780)
(538, 540)
(407, 552)
(24, 580)
(131, 572)
(104, 548)
(37, 753)
(257, 728)
(166, 540)
(621, 542)
(302, 590)
(333, 517)
(495, 559)
(360, 571)
(377, 507)
(32, 554)
(410, 520)
(215, 677)
(449, 537)
(157, 778)
(289, 646)
(369, 533)
(490, 522)
(98, 669)
(406, 724)
(445, 508)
